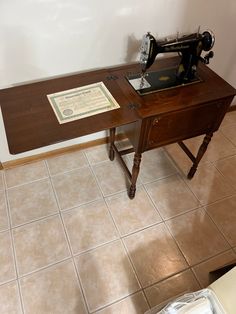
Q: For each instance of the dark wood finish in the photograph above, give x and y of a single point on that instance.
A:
(31, 123)
(135, 172)
(176, 114)
(201, 152)
(112, 140)
(149, 121)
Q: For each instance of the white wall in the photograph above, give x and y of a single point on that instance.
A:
(46, 38)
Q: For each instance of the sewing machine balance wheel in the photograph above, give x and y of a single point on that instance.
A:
(208, 40)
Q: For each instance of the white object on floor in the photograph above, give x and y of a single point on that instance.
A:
(199, 306)
(200, 302)
(225, 290)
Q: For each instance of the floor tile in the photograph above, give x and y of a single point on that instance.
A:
(155, 254)
(123, 145)
(229, 132)
(132, 215)
(135, 304)
(31, 201)
(66, 162)
(202, 270)
(76, 188)
(219, 147)
(155, 164)
(111, 177)
(10, 299)
(206, 244)
(89, 226)
(230, 118)
(209, 185)
(1, 180)
(39, 244)
(179, 158)
(97, 154)
(27, 173)
(53, 290)
(4, 223)
(106, 270)
(171, 196)
(228, 168)
(172, 287)
(159, 263)
(224, 215)
(7, 266)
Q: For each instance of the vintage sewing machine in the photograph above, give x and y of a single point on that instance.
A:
(189, 47)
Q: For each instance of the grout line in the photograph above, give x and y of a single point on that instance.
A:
(76, 169)
(97, 182)
(61, 210)
(95, 247)
(117, 301)
(184, 180)
(214, 223)
(96, 179)
(7, 212)
(219, 200)
(152, 202)
(222, 132)
(183, 213)
(228, 181)
(209, 258)
(70, 248)
(224, 177)
(127, 254)
(195, 276)
(202, 203)
(80, 205)
(134, 270)
(13, 249)
(177, 244)
(168, 277)
(27, 183)
(35, 220)
(179, 214)
(32, 272)
(204, 260)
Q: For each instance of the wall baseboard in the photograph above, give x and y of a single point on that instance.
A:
(57, 152)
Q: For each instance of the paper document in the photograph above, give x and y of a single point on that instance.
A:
(81, 102)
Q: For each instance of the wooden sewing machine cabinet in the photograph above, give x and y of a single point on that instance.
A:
(172, 115)
(149, 121)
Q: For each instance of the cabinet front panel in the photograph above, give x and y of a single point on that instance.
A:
(184, 124)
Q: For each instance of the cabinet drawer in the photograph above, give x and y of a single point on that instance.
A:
(176, 126)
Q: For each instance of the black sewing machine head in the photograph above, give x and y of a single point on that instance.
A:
(189, 47)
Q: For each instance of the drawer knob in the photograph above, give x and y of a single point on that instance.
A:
(156, 121)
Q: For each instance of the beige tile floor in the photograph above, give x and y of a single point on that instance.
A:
(71, 241)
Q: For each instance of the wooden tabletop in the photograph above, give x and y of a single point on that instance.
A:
(30, 122)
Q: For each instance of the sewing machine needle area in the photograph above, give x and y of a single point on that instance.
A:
(157, 81)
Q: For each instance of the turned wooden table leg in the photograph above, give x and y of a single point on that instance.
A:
(135, 172)
(201, 151)
(112, 140)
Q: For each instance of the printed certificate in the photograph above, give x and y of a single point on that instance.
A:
(81, 102)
